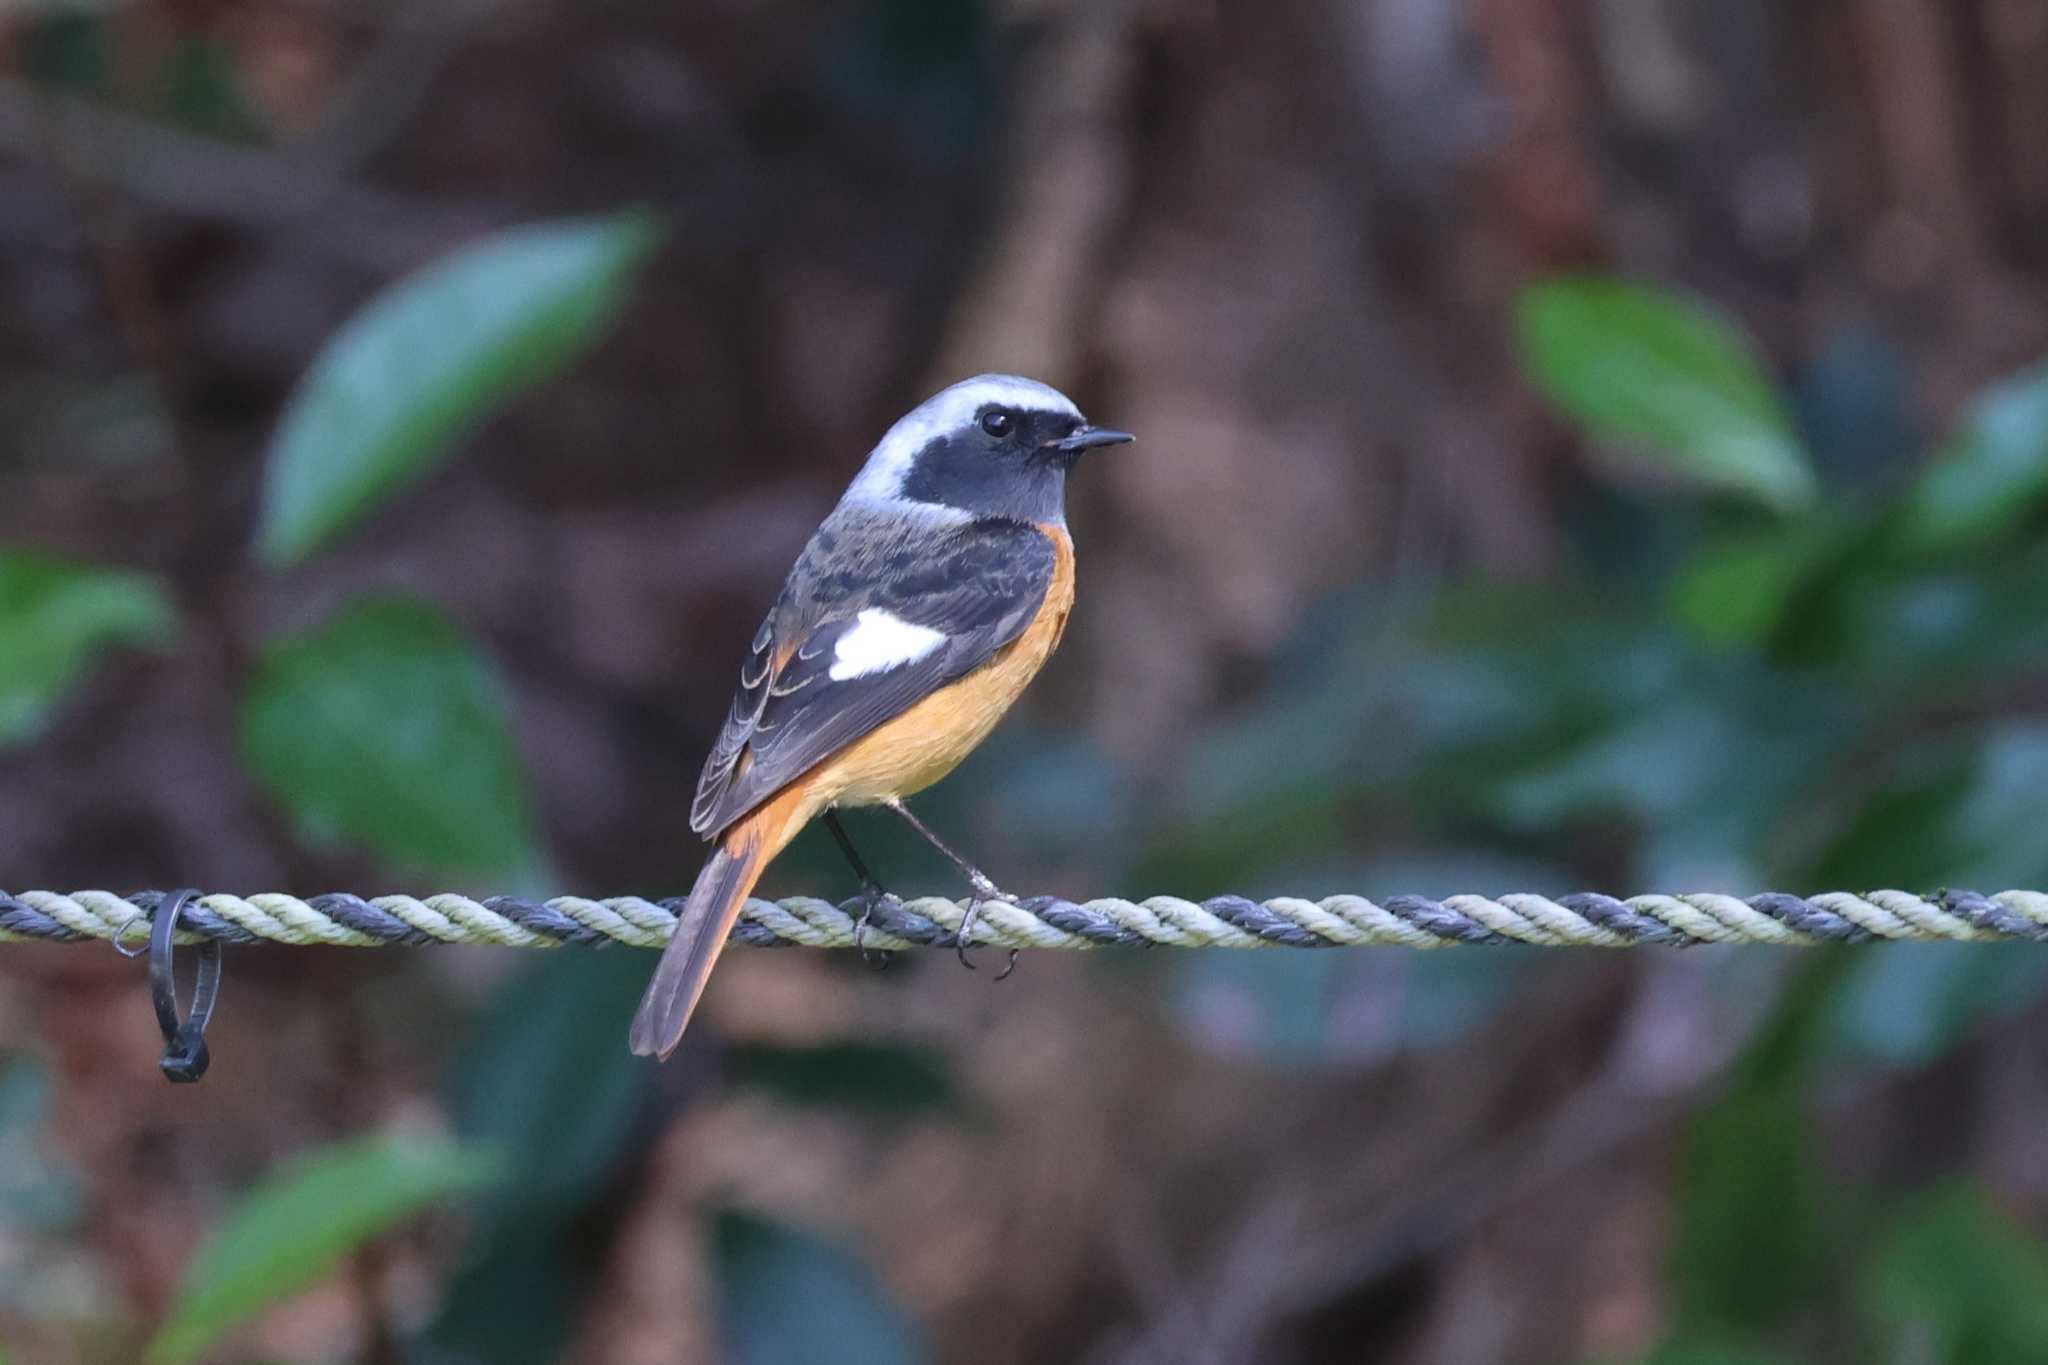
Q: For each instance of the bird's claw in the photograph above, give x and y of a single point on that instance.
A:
(871, 896)
(984, 892)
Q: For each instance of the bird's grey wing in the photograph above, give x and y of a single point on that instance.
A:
(814, 682)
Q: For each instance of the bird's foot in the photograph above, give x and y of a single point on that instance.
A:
(984, 891)
(871, 897)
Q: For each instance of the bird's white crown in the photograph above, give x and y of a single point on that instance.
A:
(950, 409)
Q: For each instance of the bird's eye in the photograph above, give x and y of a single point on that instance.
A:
(998, 423)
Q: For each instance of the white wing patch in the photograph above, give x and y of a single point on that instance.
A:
(879, 642)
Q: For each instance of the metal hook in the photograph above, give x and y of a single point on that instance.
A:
(121, 932)
(185, 1057)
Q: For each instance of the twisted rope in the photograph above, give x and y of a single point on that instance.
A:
(1585, 920)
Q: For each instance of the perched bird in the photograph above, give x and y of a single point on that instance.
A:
(916, 615)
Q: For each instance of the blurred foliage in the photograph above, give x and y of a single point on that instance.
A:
(922, 66)
(1769, 709)
(1953, 1282)
(54, 618)
(34, 1194)
(539, 1082)
(1640, 364)
(386, 398)
(191, 82)
(880, 1079)
(1993, 473)
(542, 1080)
(296, 1224)
(1754, 1240)
(766, 1269)
(387, 726)
(1855, 761)
(1817, 696)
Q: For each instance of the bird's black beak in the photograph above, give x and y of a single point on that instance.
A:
(1087, 438)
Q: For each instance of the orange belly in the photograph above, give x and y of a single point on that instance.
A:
(914, 750)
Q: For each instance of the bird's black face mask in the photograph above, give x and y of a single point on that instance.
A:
(1007, 464)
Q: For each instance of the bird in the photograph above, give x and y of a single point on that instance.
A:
(921, 608)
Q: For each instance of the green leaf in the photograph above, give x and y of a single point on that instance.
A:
(789, 1296)
(383, 401)
(298, 1222)
(1753, 1213)
(889, 1080)
(1955, 1283)
(516, 1302)
(1895, 630)
(1706, 759)
(1739, 592)
(1990, 475)
(386, 726)
(1653, 367)
(1955, 812)
(1750, 1219)
(54, 617)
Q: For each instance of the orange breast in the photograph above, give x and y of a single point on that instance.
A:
(926, 742)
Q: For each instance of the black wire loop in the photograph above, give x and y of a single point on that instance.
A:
(185, 1057)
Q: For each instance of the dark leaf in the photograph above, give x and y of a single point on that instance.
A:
(894, 1080)
(789, 1296)
(1962, 812)
(1753, 1221)
(1953, 1282)
(547, 1080)
(387, 727)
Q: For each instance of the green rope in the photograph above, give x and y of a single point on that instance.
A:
(1586, 920)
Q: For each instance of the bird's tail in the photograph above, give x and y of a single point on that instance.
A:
(715, 901)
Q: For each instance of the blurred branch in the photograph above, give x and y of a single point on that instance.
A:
(1217, 1317)
(391, 85)
(218, 182)
(1310, 1241)
(1671, 1042)
(1068, 151)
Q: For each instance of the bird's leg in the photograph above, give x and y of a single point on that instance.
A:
(871, 891)
(984, 889)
